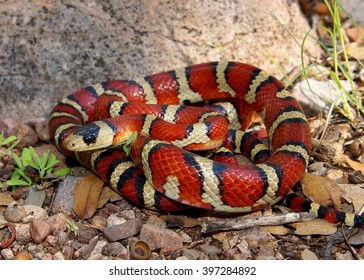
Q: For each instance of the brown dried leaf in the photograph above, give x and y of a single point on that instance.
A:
(277, 230)
(308, 255)
(5, 199)
(317, 226)
(321, 190)
(108, 194)
(356, 50)
(354, 194)
(86, 196)
(354, 164)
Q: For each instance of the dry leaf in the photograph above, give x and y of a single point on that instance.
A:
(5, 199)
(86, 196)
(354, 194)
(321, 190)
(108, 194)
(354, 164)
(317, 226)
(308, 255)
(356, 50)
(277, 230)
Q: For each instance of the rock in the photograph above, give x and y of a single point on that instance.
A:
(354, 8)
(22, 233)
(99, 221)
(321, 96)
(85, 233)
(58, 222)
(160, 238)
(243, 247)
(210, 249)
(115, 249)
(267, 251)
(35, 197)
(96, 253)
(86, 250)
(39, 230)
(115, 219)
(185, 237)
(128, 39)
(26, 135)
(14, 213)
(34, 212)
(7, 254)
(63, 198)
(344, 256)
(191, 254)
(58, 256)
(124, 230)
(156, 221)
(41, 128)
(23, 256)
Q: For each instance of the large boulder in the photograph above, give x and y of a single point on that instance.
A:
(51, 48)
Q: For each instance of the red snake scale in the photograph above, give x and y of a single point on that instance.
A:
(165, 169)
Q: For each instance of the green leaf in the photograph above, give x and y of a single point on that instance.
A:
(17, 160)
(62, 171)
(9, 139)
(26, 157)
(17, 182)
(33, 155)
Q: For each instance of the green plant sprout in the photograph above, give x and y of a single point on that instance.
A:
(44, 167)
(4, 141)
(72, 227)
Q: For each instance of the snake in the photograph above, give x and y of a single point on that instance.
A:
(182, 129)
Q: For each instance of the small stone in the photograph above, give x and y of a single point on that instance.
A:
(39, 230)
(26, 135)
(99, 222)
(160, 238)
(7, 254)
(58, 222)
(62, 237)
(39, 255)
(63, 198)
(122, 231)
(35, 197)
(114, 249)
(47, 257)
(267, 251)
(243, 247)
(85, 233)
(96, 253)
(23, 256)
(14, 213)
(87, 249)
(156, 221)
(34, 212)
(344, 256)
(52, 240)
(58, 256)
(191, 254)
(41, 128)
(210, 250)
(23, 233)
(115, 219)
(185, 237)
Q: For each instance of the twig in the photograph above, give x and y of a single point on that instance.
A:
(249, 222)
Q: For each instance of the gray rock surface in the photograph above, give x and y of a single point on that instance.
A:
(50, 48)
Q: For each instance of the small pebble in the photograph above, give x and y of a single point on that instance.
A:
(39, 230)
